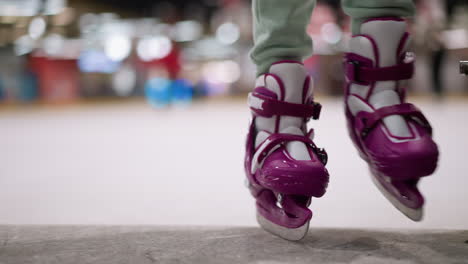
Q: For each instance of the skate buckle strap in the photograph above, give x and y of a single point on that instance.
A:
(365, 121)
(358, 73)
(274, 141)
(266, 106)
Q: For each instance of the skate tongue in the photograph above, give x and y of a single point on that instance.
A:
(286, 81)
(387, 34)
(294, 79)
(390, 38)
(293, 76)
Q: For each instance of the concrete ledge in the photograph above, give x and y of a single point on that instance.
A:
(98, 244)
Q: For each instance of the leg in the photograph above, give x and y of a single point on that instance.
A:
(280, 31)
(284, 168)
(392, 136)
(361, 10)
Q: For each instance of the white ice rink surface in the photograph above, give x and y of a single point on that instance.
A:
(129, 164)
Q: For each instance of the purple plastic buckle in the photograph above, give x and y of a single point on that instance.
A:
(317, 109)
(350, 70)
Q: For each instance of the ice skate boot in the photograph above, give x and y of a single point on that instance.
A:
(391, 135)
(284, 167)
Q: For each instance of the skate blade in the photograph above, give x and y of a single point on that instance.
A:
(413, 214)
(292, 234)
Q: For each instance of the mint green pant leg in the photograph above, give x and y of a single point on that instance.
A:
(280, 31)
(360, 10)
(280, 25)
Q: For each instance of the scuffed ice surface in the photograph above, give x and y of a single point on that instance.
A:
(127, 164)
(87, 244)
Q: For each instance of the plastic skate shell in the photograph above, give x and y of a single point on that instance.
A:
(282, 185)
(391, 135)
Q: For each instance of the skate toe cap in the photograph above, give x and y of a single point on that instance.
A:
(403, 159)
(285, 175)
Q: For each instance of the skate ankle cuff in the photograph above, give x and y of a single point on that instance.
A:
(365, 74)
(266, 106)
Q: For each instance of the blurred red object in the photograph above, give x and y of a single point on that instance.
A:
(57, 78)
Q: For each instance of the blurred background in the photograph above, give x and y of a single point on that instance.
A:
(134, 112)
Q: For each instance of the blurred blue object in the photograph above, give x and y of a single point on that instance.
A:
(2, 90)
(158, 92)
(96, 61)
(28, 87)
(182, 92)
(200, 89)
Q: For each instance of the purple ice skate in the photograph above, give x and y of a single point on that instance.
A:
(284, 167)
(391, 135)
